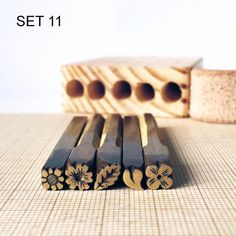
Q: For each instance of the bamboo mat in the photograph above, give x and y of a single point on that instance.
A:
(202, 202)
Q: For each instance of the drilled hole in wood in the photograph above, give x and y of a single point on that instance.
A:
(145, 92)
(171, 92)
(96, 90)
(121, 90)
(74, 88)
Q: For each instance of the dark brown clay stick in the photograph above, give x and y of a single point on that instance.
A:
(132, 153)
(53, 170)
(81, 162)
(109, 154)
(156, 155)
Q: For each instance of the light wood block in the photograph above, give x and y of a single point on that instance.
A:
(129, 86)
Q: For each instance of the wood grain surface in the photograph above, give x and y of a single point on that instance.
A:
(128, 86)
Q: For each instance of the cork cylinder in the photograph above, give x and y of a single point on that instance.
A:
(213, 95)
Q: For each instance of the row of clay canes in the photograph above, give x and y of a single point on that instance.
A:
(98, 155)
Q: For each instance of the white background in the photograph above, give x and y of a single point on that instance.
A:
(30, 58)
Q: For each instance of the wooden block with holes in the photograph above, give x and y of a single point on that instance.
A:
(129, 86)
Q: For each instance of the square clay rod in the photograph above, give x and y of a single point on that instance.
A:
(53, 176)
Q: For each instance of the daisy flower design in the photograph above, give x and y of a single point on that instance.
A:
(52, 179)
(159, 176)
(78, 176)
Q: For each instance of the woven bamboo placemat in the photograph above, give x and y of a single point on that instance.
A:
(202, 202)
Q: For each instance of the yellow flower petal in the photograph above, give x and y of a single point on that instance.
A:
(50, 171)
(69, 180)
(165, 170)
(151, 171)
(44, 180)
(86, 186)
(80, 186)
(84, 168)
(88, 177)
(153, 183)
(46, 186)
(44, 173)
(78, 167)
(72, 185)
(58, 172)
(166, 182)
(70, 171)
(59, 186)
(53, 187)
(83, 185)
(61, 179)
